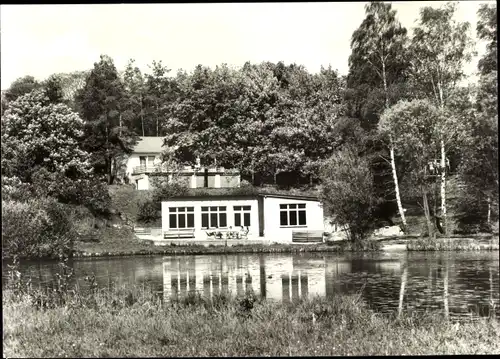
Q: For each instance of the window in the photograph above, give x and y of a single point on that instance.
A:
(142, 160)
(181, 217)
(213, 217)
(293, 214)
(151, 160)
(242, 216)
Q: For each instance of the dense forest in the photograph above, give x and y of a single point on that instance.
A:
(400, 127)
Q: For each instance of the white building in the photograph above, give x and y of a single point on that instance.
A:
(145, 161)
(275, 216)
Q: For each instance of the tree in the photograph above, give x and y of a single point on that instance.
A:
(53, 89)
(20, 87)
(134, 100)
(418, 128)
(158, 98)
(378, 62)
(347, 192)
(487, 30)
(440, 46)
(479, 166)
(100, 104)
(39, 134)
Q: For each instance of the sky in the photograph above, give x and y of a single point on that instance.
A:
(40, 40)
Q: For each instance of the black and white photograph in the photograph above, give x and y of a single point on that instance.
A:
(249, 179)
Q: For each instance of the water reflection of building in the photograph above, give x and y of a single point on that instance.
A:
(276, 278)
(210, 276)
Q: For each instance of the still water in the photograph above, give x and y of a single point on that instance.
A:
(458, 283)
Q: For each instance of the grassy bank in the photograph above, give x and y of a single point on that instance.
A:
(452, 244)
(134, 322)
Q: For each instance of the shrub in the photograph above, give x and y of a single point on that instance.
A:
(149, 211)
(38, 228)
(348, 192)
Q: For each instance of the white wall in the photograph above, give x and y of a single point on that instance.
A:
(197, 204)
(272, 228)
(142, 183)
(134, 161)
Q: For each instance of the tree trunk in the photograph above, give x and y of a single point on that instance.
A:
(443, 188)
(443, 166)
(108, 170)
(396, 189)
(427, 214)
(488, 218)
(120, 132)
(157, 116)
(142, 118)
(393, 163)
(384, 79)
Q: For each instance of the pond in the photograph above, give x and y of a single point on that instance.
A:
(459, 283)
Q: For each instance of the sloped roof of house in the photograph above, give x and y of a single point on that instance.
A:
(149, 144)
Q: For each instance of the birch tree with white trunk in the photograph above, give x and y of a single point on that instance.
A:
(379, 45)
(439, 49)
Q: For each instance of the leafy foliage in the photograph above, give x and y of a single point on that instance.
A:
(348, 193)
(38, 228)
(100, 104)
(38, 134)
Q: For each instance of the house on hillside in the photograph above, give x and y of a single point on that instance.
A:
(145, 162)
(277, 217)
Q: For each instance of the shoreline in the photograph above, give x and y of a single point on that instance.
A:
(142, 247)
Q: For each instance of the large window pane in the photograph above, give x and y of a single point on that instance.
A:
(190, 220)
(283, 218)
(293, 218)
(237, 220)
(223, 220)
(173, 221)
(302, 218)
(213, 220)
(204, 220)
(182, 221)
(246, 217)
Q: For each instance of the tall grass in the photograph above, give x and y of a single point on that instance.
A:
(135, 321)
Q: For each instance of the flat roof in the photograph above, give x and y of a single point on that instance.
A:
(236, 196)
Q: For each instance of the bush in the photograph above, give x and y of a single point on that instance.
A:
(38, 228)
(348, 192)
(15, 190)
(149, 211)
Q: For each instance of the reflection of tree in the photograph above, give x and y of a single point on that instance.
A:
(404, 278)
(445, 292)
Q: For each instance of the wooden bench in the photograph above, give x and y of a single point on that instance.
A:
(179, 233)
(142, 230)
(311, 236)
